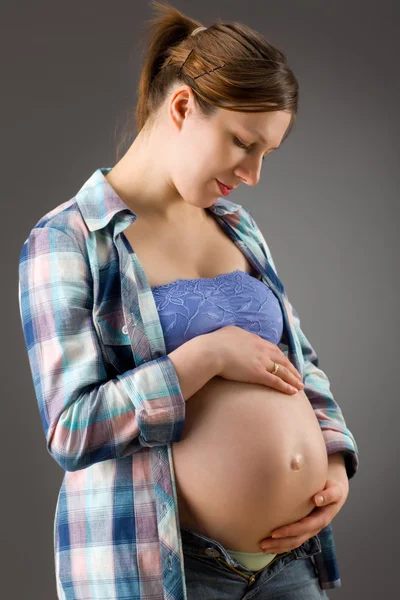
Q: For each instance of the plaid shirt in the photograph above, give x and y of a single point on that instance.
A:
(110, 400)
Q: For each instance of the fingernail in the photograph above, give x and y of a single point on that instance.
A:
(320, 499)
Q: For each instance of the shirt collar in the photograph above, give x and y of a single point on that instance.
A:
(99, 203)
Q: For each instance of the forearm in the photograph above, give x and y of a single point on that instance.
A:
(337, 468)
(196, 362)
(336, 458)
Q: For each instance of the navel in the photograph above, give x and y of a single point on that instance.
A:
(297, 462)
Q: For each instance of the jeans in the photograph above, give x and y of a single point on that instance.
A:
(212, 574)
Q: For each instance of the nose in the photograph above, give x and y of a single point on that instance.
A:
(250, 172)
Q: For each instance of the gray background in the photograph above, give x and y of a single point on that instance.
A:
(327, 204)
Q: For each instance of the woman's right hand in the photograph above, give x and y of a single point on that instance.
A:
(247, 357)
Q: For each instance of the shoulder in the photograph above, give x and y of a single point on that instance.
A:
(249, 223)
(255, 231)
(64, 221)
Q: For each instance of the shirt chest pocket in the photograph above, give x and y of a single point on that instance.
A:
(116, 343)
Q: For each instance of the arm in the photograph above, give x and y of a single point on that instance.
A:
(86, 417)
(338, 438)
(337, 473)
(196, 362)
(337, 467)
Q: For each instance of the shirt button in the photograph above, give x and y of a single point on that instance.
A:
(124, 329)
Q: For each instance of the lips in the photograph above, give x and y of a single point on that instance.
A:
(224, 184)
(225, 190)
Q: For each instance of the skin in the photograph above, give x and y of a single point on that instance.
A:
(169, 174)
(334, 495)
(170, 168)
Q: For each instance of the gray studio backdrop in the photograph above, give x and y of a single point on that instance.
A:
(69, 71)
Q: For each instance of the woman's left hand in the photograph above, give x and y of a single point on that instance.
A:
(334, 496)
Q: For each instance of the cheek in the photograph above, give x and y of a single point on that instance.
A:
(188, 171)
(213, 159)
(201, 159)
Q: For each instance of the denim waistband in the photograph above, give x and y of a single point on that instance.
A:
(202, 545)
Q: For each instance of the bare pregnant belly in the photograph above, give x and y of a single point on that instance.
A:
(250, 460)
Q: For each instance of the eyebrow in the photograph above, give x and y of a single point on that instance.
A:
(262, 138)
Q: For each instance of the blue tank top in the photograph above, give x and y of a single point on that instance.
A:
(191, 307)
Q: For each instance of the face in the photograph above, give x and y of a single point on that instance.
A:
(171, 168)
(229, 146)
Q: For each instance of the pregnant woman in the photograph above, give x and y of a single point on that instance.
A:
(175, 385)
(251, 457)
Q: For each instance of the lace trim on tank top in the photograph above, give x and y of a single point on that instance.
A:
(191, 307)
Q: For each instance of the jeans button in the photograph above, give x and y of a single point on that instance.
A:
(211, 552)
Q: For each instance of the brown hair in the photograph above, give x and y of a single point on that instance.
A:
(242, 70)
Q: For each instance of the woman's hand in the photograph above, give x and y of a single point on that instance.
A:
(334, 496)
(245, 356)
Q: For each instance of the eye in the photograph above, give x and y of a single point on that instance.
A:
(241, 145)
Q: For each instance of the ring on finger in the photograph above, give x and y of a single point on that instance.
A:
(275, 369)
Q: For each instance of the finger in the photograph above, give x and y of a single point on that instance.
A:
(287, 543)
(280, 358)
(287, 375)
(329, 495)
(279, 383)
(276, 354)
(284, 363)
(316, 521)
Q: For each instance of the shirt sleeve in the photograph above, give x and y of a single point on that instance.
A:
(337, 436)
(87, 417)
